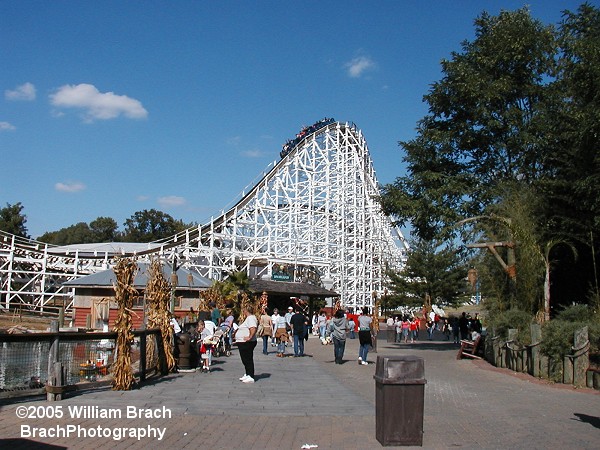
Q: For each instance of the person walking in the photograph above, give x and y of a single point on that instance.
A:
(322, 324)
(298, 323)
(338, 329)
(364, 336)
(274, 318)
(351, 327)
(281, 335)
(245, 338)
(266, 328)
(414, 325)
(463, 326)
(455, 330)
(405, 329)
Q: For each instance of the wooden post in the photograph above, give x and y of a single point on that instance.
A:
(511, 355)
(61, 317)
(536, 339)
(162, 357)
(55, 371)
(143, 356)
(568, 369)
(581, 361)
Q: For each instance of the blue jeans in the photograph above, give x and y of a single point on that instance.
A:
(266, 344)
(322, 331)
(363, 350)
(298, 345)
(338, 350)
(281, 347)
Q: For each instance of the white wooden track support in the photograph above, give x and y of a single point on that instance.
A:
(314, 212)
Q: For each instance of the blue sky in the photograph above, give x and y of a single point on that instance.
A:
(113, 107)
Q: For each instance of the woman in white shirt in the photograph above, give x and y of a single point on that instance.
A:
(245, 339)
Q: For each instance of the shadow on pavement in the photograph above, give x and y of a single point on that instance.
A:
(421, 345)
(28, 444)
(592, 420)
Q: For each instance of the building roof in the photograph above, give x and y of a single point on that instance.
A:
(290, 288)
(110, 248)
(187, 279)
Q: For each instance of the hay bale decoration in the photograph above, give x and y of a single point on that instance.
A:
(158, 297)
(263, 303)
(125, 293)
(375, 316)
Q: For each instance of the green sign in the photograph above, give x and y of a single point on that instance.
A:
(281, 276)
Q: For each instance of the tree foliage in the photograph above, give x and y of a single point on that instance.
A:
(151, 225)
(516, 111)
(431, 273)
(12, 220)
(142, 226)
(485, 126)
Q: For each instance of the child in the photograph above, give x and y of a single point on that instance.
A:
(205, 347)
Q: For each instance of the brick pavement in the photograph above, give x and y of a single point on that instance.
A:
(311, 400)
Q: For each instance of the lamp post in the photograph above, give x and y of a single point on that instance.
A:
(174, 283)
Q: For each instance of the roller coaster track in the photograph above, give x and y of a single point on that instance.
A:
(312, 214)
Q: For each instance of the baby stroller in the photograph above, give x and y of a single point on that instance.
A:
(221, 344)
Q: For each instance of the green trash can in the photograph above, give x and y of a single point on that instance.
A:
(183, 352)
(399, 400)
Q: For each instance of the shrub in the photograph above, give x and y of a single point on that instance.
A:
(558, 334)
(501, 322)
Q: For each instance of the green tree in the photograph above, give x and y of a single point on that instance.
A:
(486, 125)
(104, 229)
(575, 159)
(151, 225)
(12, 220)
(79, 233)
(516, 110)
(572, 194)
(433, 273)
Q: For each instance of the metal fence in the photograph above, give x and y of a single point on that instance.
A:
(87, 358)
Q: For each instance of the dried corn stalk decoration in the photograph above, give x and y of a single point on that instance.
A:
(158, 298)
(338, 305)
(375, 317)
(245, 302)
(301, 305)
(262, 303)
(125, 293)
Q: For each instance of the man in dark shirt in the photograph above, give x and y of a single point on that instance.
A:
(298, 323)
(463, 326)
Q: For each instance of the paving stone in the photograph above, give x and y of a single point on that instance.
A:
(311, 400)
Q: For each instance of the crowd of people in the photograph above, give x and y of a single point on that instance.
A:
(290, 144)
(407, 327)
(213, 331)
(292, 329)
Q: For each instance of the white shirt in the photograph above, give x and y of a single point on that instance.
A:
(250, 322)
(210, 326)
(175, 325)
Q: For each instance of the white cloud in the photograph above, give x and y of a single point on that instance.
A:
(234, 140)
(253, 153)
(97, 105)
(359, 65)
(24, 92)
(74, 186)
(171, 201)
(142, 198)
(5, 126)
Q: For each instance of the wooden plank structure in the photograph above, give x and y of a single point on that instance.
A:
(469, 349)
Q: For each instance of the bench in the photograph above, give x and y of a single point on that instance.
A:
(469, 349)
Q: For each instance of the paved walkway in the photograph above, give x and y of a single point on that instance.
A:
(311, 400)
